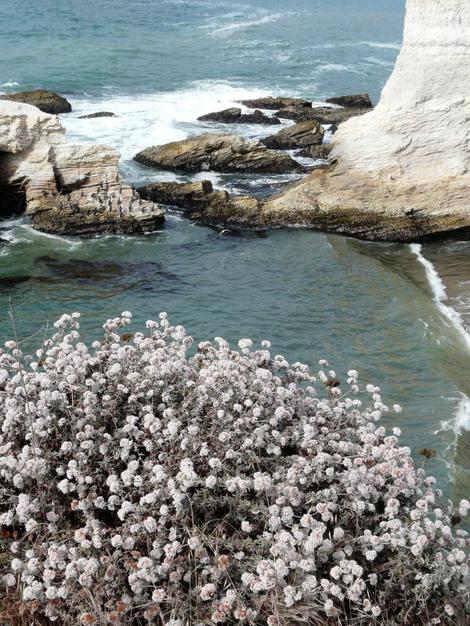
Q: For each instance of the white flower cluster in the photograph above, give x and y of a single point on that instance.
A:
(145, 480)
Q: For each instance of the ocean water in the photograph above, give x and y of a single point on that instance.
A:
(399, 314)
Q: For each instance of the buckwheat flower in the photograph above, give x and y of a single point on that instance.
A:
(16, 565)
(158, 595)
(246, 527)
(449, 610)
(114, 370)
(31, 525)
(9, 580)
(207, 591)
(464, 508)
(329, 608)
(211, 481)
(150, 524)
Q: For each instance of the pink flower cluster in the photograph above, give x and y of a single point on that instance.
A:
(146, 479)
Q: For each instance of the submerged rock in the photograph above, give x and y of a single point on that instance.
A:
(323, 115)
(235, 116)
(270, 102)
(91, 116)
(299, 135)
(66, 189)
(219, 153)
(45, 101)
(357, 101)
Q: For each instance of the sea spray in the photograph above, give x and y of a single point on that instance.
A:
(440, 295)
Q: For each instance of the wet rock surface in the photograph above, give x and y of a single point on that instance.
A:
(219, 153)
(323, 115)
(321, 151)
(271, 102)
(299, 135)
(98, 114)
(46, 101)
(357, 101)
(201, 202)
(235, 116)
(186, 196)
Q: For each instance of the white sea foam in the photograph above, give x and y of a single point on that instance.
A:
(462, 417)
(235, 26)
(9, 84)
(335, 67)
(440, 295)
(152, 119)
(356, 44)
(378, 44)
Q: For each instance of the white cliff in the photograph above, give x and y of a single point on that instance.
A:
(66, 189)
(401, 171)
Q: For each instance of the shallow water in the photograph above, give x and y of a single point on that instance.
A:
(398, 314)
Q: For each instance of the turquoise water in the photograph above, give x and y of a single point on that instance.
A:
(158, 66)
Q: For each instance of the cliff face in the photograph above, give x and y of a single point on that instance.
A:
(67, 189)
(402, 171)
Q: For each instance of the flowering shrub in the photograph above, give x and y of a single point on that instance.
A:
(141, 483)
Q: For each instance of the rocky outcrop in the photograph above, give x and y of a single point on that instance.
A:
(219, 153)
(323, 115)
(358, 101)
(186, 196)
(270, 102)
(402, 171)
(66, 189)
(45, 101)
(321, 151)
(201, 202)
(92, 116)
(299, 135)
(235, 116)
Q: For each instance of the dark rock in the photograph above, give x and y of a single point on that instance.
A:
(235, 116)
(321, 151)
(270, 102)
(46, 101)
(200, 201)
(7, 282)
(358, 101)
(324, 115)
(91, 116)
(186, 196)
(220, 153)
(87, 224)
(299, 135)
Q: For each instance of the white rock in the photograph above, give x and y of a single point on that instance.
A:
(22, 126)
(402, 170)
(67, 189)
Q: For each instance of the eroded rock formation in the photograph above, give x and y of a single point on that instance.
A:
(200, 201)
(45, 101)
(271, 102)
(402, 170)
(219, 153)
(66, 189)
(301, 135)
(235, 116)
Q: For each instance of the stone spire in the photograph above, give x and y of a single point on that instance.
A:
(402, 171)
